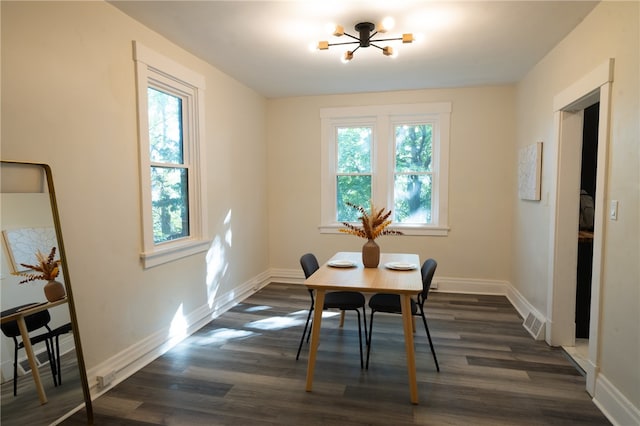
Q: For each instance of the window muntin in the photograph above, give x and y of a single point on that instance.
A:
(409, 154)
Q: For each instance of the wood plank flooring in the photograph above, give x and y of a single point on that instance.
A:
(241, 370)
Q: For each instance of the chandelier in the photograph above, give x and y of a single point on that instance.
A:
(366, 33)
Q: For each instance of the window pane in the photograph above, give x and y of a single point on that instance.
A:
(412, 198)
(354, 189)
(413, 147)
(354, 150)
(165, 127)
(169, 203)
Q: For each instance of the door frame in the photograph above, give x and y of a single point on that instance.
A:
(564, 198)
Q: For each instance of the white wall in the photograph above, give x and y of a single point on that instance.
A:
(610, 31)
(68, 99)
(481, 182)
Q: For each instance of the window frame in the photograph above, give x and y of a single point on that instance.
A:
(161, 73)
(382, 119)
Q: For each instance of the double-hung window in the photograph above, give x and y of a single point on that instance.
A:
(393, 156)
(170, 110)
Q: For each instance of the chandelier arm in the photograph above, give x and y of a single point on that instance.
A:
(385, 39)
(353, 37)
(343, 43)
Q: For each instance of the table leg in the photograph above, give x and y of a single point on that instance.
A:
(315, 337)
(32, 359)
(405, 302)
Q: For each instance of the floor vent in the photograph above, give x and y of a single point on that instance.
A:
(534, 326)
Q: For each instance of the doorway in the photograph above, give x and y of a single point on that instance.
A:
(564, 197)
(580, 350)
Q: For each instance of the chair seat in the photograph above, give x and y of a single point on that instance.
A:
(348, 300)
(390, 303)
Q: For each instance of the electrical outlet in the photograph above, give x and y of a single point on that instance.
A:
(106, 380)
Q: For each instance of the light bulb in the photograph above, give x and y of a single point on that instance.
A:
(386, 25)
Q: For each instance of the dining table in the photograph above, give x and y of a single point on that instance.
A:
(397, 273)
(19, 317)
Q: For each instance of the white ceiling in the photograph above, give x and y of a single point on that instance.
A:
(265, 44)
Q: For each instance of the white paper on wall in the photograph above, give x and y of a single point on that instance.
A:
(529, 170)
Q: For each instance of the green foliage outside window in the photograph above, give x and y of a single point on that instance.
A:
(412, 186)
(354, 171)
(169, 181)
(413, 173)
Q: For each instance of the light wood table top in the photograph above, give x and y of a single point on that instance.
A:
(406, 283)
(375, 280)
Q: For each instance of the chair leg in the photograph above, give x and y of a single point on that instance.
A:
(370, 338)
(413, 324)
(360, 338)
(57, 357)
(426, 327)
(51, 354)
(341, 318)
(304, 332)
(15, 369)
(364, 317)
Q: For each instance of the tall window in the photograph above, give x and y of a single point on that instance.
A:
(395, 156)
(170, 130)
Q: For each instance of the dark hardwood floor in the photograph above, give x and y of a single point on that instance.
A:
(241, 370)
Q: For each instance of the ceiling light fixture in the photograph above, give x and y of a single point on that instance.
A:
(367, 32)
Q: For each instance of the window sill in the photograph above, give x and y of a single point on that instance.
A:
(437, 231)
(169, 253)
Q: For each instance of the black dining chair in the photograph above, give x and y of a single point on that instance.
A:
(34, 322)
(343, 300)
(390, 303)
(55, 334)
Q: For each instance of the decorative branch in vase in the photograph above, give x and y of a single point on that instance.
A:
(374, 225)
(46, 269)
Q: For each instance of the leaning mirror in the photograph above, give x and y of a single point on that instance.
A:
(43, 376)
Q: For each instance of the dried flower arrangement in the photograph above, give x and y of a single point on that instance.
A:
(47, 267)
(373, 225)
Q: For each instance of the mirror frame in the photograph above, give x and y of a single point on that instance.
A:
(65, 270)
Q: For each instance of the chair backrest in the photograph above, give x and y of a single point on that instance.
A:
(309, 264)
(33, 321)
(428, 270)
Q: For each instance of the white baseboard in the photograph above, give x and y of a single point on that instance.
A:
(613, 404)
(608, 398)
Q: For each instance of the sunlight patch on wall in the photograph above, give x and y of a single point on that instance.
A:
(217, 264)
(228, 235)
(178, 327)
